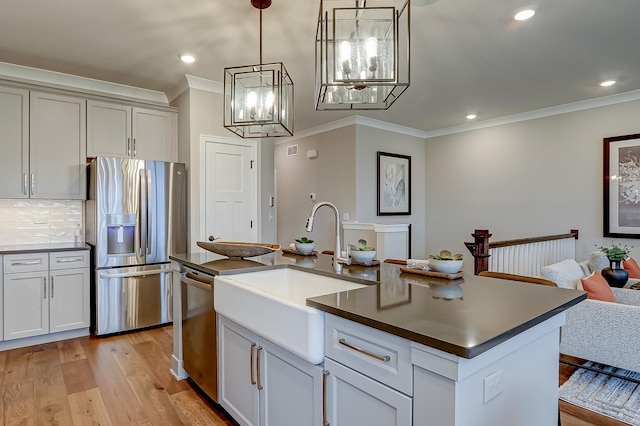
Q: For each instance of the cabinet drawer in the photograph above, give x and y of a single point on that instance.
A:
(379, 355)
(68, 259)
(26, 262)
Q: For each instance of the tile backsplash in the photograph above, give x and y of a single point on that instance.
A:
(41, 221)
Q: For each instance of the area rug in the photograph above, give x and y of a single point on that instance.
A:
(604, 394)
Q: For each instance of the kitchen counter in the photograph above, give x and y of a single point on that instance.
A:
(465, 317)
(37, 248)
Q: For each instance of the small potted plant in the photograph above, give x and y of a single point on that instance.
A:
(362, 253)
(615, 275)
(445, 262)
(305, 245)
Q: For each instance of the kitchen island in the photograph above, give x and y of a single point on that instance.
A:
(475, 351)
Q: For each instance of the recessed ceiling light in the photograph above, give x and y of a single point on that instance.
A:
(187, 59)
(471, 117)
(524, 14)
(608, 83)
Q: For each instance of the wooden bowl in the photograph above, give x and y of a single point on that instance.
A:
(238, 250)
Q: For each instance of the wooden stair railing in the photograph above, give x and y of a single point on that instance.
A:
(480, 246)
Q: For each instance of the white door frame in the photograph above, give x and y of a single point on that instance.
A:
(204, 139)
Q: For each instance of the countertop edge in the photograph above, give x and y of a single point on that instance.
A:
(4, 250)
(443, 345)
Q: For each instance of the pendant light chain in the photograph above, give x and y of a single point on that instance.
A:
(260, 37)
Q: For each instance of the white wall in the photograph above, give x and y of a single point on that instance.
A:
(537, 177)
(331, 176)
(201, 113)
(344, 173)
(369, 141)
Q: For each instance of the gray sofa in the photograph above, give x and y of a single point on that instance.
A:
(603, 332)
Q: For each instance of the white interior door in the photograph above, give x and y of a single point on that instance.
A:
(230, 191)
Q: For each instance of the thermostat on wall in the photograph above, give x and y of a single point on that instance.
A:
(312, 153)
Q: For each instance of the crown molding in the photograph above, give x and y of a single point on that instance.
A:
(350, 121)
(602, 101)
(58, 80)
(193, 82)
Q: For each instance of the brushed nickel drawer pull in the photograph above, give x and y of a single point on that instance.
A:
(260, 387)
(325, 374)
(253, 380)
(384, 358)
(26, 262)
(69, 259)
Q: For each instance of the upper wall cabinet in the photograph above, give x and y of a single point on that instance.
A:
(43, 145)
(14, 134)
(118, 130)
(57, 154)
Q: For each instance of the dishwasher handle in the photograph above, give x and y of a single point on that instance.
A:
(203, 283)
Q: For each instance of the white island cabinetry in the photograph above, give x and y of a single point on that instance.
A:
(369, 375)
(262, 384)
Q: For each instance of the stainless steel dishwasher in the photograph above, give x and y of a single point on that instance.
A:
(199, 351)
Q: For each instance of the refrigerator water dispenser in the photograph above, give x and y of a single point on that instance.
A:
(121, 232)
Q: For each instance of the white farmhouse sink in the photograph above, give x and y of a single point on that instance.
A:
(272, 303)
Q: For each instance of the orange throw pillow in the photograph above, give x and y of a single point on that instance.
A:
(631, 266)
(597, 288)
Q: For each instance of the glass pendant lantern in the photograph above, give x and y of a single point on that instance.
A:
(258, 99)
(362, 53)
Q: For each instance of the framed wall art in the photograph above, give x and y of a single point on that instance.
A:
(622, 186)
(394, 184)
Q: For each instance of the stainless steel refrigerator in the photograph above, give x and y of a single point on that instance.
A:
(135, 217)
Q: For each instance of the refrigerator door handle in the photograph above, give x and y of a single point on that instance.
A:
(134, 274)
(142, 234)
(149, 205)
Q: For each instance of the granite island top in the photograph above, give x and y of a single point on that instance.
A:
(465, 317)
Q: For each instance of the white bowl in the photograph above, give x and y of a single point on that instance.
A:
(445, 266)
(363, 256)
(305, 247)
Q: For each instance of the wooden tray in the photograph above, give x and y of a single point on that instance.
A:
(374, 262)
(299, 253)
(434, 274)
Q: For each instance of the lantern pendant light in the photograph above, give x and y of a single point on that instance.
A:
(258, 99)
(362, 54)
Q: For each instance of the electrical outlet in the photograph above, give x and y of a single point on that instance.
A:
(492, 386)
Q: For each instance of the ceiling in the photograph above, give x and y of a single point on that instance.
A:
(467, 56)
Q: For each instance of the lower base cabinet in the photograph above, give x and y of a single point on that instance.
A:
(263, 384)
(45, 293)
(354, 399)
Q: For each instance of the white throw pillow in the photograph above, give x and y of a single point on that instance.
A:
(597, 261)
(566, 274)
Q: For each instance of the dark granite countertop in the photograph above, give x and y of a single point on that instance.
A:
(465, 317)
(38, 248)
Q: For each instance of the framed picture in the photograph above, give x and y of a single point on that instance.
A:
(394, 184)
(622, 186)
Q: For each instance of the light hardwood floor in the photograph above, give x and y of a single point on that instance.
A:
(125, 380)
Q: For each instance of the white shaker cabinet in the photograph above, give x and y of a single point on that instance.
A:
(14, 131)
(262, 384)
(69, 290)
(57, 141)
(45, 293)
(26, 305)
(125, 131)
(369, 376)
